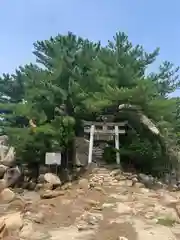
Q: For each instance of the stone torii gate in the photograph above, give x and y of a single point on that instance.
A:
(104, 131)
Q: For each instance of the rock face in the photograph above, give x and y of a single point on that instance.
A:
(9, 172)
(12, 176)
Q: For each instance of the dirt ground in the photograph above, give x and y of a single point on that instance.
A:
(119, 210)
(100, 207)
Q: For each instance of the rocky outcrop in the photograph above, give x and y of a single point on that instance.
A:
(12, 175)
(9, 172)
(142, 117)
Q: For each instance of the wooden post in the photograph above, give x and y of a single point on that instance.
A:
(116, 129)
(91, 144)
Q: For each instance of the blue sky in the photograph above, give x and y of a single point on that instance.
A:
(151, 23)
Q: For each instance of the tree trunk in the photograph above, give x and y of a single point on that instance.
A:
(72, 153)
(72, 156)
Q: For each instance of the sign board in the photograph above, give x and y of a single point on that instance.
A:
(53, 158)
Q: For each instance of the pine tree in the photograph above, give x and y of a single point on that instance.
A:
(74, 79)
(55, 96)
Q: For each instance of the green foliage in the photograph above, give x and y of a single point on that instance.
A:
(145, 154)
(74, 79)
(109, 155)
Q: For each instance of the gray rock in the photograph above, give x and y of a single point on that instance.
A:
(148, 181)
(41, 178)
(38, 186)
(173, 187)
(158, 185)
(31, 185)
(25, 185)
(134, 181)
(12, 176)
(2, 170)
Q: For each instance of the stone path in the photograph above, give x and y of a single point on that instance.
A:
(104, 206)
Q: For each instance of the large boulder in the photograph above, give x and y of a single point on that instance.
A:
(39, 186)
(12, 176)
(31, 185)
(41, 179)
(7, 195)
(48, 186)
(17, 204)
(144, 120)
(147, 180)
(52, 179)
(12, 222)
(3, 152)
(9, 156)
(2, 185)
(2, 170)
